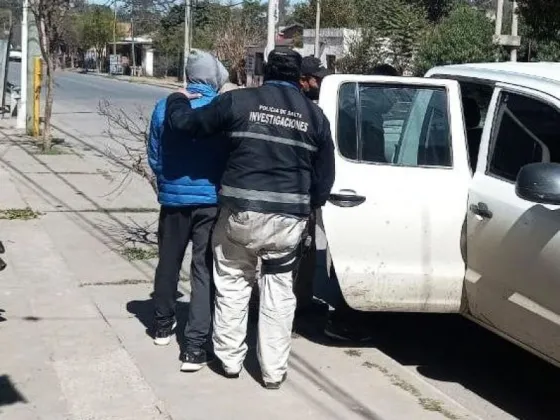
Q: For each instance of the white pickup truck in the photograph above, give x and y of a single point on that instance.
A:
(447, 195)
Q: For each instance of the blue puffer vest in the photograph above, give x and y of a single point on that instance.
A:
(188, 171)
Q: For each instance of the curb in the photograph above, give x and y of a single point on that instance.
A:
(134, 81)
(415, 376)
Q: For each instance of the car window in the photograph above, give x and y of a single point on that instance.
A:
(526, 131)
(476, 99)
(394, 125)
(481, 94)
(346, 132)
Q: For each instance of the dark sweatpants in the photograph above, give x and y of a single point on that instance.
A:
(178, 226)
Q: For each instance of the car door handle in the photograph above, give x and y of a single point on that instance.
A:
(346, 198)
(482, 210)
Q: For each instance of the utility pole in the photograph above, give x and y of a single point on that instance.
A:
(514, 27)
(271, 27)
(33, 51)
(22, 111)
(132, 45)
(317, 29)
(187, 45)
(499, 17)
(115, 29)
(512, 41)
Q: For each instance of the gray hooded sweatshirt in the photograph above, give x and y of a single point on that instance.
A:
(204, 68)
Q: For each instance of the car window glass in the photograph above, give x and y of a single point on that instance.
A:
(396, 125)
(481, 94)
(526, 131)
(346, 134)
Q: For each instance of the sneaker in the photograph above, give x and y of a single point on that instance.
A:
(338, 330)
(193, 361)
(230, 374)
(276, 385)
(163, 335)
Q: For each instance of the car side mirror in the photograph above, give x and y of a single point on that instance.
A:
(539, 183)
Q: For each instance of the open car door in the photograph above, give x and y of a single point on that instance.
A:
(394, 219)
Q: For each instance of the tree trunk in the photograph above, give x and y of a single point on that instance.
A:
(48, 104)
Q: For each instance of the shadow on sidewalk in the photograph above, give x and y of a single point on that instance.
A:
(450, 348)
(9, 393)
(143, 310)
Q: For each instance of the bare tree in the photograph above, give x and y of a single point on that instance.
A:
(130, 133)
(50, 17)
(231, 40)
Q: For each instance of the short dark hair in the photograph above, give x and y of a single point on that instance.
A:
(385, 70)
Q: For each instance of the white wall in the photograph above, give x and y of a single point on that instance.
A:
(148, 62)
(332, 41)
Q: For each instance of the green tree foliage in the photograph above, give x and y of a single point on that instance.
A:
(388, 32)
(547, 51)
(168, 42)
(435, 9)
(400, 23)
(334, 14)
(536, 46)
(465, 36)
(364, 53)
(350, 13)
(542, 16)
(97, 25)
(145, 14)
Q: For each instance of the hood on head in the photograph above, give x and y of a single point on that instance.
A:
(204, 68)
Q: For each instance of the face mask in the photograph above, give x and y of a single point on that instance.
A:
(312, 93)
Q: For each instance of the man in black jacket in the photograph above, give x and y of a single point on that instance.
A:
(281, 167)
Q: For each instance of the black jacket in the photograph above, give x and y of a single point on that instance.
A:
(282, 153)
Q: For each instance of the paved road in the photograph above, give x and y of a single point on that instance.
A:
(78, 96)
(81, 93)
(487, 375)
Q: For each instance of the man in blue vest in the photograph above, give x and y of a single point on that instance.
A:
(188, 173)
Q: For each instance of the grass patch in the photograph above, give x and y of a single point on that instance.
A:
(130, 210)
(405, 386)
(53, 151)
(430, 404)
(124, 282)
(19, 214)
(353, 352)
(136, 254)
(371, 365)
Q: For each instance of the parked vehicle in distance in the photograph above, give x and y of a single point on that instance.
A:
(447, 195)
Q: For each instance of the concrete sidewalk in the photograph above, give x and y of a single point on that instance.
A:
(76, 301)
